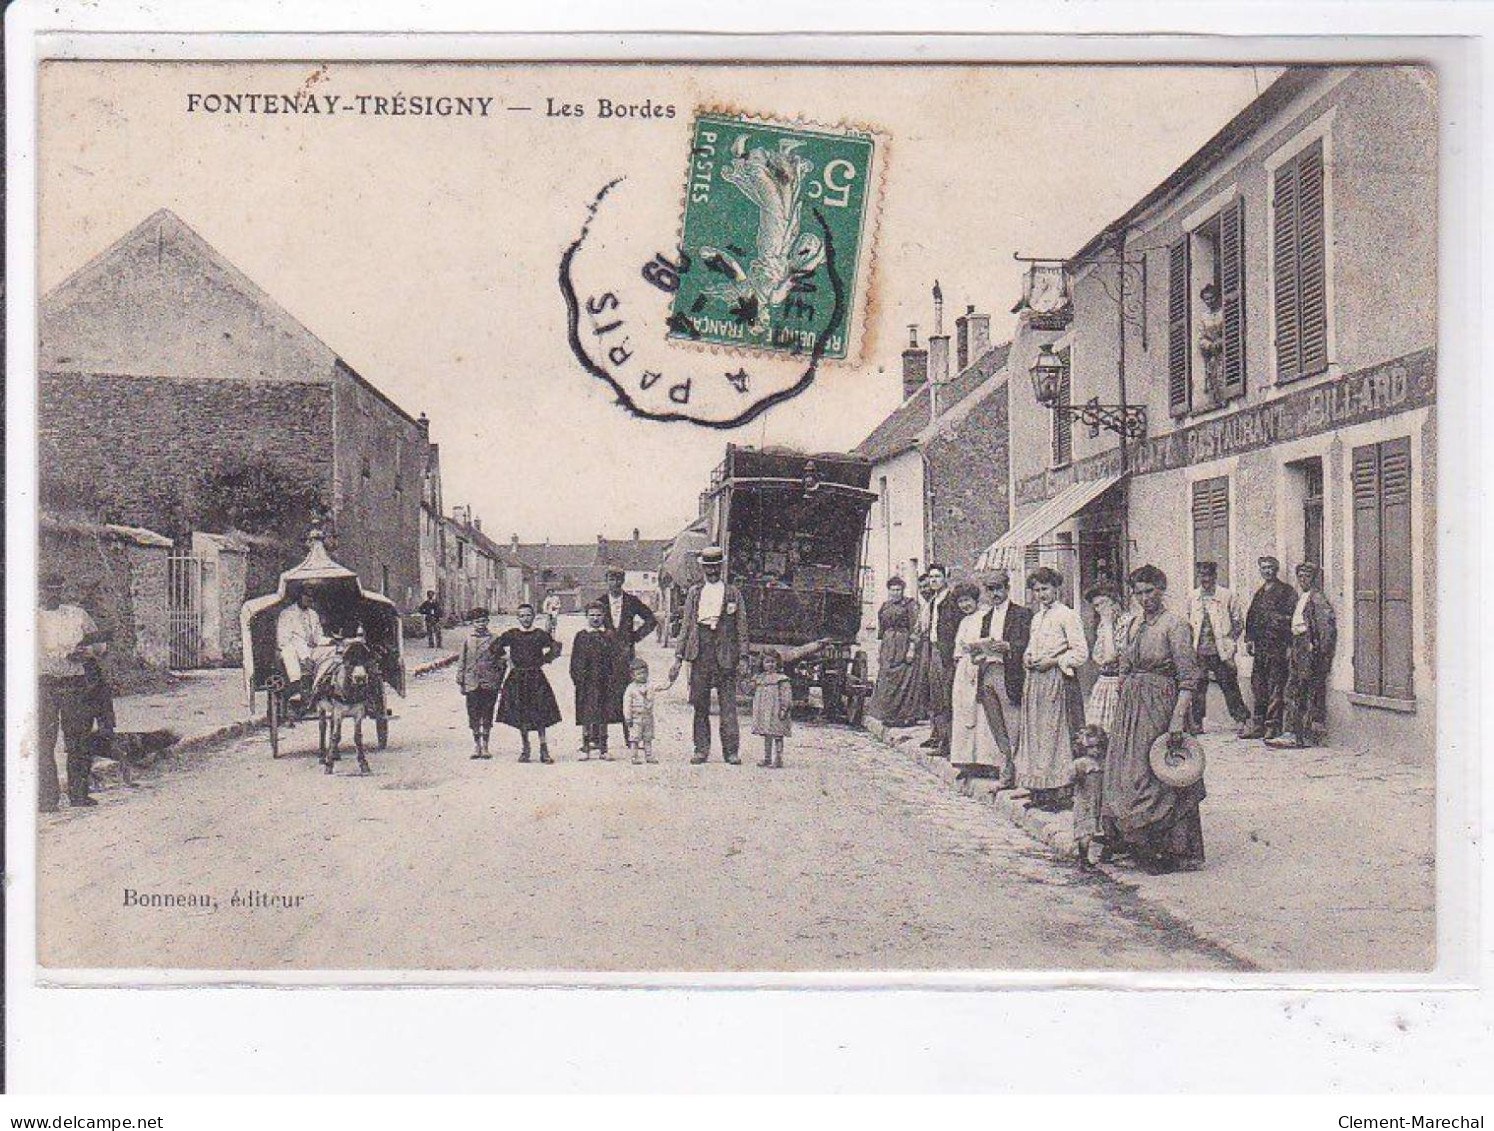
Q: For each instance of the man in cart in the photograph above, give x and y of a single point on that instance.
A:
(305, 647)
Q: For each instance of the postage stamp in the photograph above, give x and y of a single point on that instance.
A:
(777, 227)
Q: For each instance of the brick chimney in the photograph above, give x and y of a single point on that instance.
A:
(635, 533)
(962, 340)
(980, 333)
(513, 543)
(477, 525)
(938, 354)
(423, 422)
(915, 364)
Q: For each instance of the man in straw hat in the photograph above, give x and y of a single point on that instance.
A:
(1314, 640)
(713, 641)
(68, 639)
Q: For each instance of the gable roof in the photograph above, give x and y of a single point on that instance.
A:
(644, 555)
(900, 432)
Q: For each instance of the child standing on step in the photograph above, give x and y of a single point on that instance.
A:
(772, 703)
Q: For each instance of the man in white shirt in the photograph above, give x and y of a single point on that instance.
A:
(551, 609)
(713, 641)
(67, 636)
(303, 644)
(1217, 621)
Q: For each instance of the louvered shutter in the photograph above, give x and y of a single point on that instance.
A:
(1179, 341)
(1232, 281)
(1288, 335)
(1211, 524)
(1395, 568)
(1063, 423)
(1312, 263)
(1368, 677)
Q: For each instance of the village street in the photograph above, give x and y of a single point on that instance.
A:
(850, 858)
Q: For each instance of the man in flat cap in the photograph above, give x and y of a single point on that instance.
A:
(1268, 638)
(68, 639)
(1314, 640)
(713, 641)
(627, 620)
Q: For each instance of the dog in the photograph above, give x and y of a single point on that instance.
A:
(130, 749)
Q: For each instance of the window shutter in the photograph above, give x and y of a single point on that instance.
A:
(1312, 263)
(1179, 341)
(1063, 423)
(1232, 280)
(1284, 209)
(1366, 484)
(1395, 568)
(1211, 524)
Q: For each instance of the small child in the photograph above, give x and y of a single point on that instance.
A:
(638, 709)
(772, 703)
(1089, 747)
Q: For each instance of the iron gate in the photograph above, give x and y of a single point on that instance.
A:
(184, 609)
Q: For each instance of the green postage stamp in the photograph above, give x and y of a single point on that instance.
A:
(776, 244)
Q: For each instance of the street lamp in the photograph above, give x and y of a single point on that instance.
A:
(1125, 420)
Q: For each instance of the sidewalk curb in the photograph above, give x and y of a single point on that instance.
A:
(197, 743)
(1055, 830)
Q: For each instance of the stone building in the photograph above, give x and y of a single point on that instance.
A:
(163, 369)
(1294, 415)
(939, 460)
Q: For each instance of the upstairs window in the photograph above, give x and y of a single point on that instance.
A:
(1300, 272)
(1206, 314)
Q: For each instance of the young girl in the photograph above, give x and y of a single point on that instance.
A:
(772, 703)
(638, 709)
(593, 662)
(1089, 788)
(479, 676)
(528, 702)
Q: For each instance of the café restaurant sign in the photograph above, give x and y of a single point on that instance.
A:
(1407, 383)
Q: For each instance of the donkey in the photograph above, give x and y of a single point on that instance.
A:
(351, 691)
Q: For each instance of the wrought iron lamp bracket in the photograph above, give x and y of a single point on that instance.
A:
(1127, 420)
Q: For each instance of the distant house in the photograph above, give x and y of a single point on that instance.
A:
(164, 369)
(577, 572)
(940, 468)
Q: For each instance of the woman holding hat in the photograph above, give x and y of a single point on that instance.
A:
(1159, 673)
(893, 700)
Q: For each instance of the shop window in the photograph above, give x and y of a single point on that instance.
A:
(1382, 570)
(1211, 524)
(1062, 424)
(1300, 270)
(1305, 497)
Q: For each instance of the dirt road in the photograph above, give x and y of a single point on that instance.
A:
(850, 858)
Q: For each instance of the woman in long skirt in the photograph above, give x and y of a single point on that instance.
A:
(527, 702)
(1055, 651)
(894, 699)
(1099, 708)
(1159, 824)
(973, 748)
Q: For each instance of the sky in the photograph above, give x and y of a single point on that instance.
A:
(424, 250)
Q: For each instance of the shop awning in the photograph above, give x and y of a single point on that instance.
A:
(1006, 552)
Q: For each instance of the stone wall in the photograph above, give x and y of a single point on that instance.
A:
(129, 448)
(967, 469)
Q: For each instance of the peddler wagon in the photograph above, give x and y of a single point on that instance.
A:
(347, 612)
(794, 529)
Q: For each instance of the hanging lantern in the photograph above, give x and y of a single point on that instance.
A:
(1047, 372)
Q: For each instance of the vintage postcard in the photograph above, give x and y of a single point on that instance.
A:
(688, 518)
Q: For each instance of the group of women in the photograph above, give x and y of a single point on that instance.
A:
(1145, 672)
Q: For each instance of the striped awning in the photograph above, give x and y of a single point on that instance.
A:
(1006, 552)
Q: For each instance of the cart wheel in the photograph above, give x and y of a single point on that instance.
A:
(272, 721)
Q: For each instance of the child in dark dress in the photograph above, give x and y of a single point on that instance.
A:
(528, 702)
(593, 670)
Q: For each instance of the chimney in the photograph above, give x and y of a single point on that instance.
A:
(962, 340)
(938, 354)
(938, 308)
(601, 543)
(423, 422)
(477, 525)
(635, 533)
(980, 333)
(513, 543)
(915, 364)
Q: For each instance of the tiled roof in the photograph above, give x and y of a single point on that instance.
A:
(899, 432)
(643, 555)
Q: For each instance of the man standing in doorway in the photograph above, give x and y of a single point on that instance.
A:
(944, 618)
(627, 620)
(69, 639)
(1314, 640)
(1214, 613)
(430, 609)
(713, 641)
(1268, 638)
